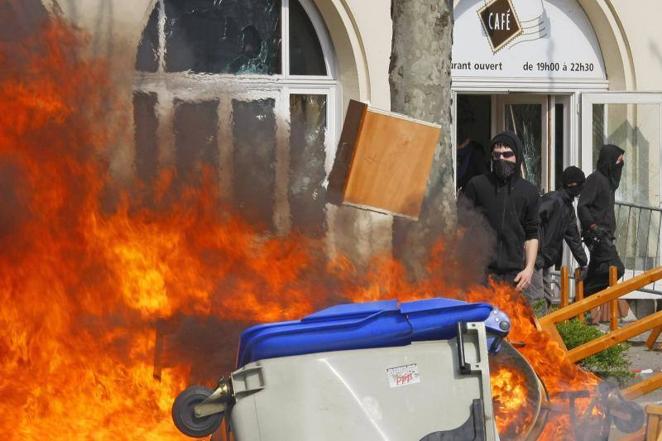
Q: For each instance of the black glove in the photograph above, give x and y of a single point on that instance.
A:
(600, 232)
(582, 273)
(595, 235)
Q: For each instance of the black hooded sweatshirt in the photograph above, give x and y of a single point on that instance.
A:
(557, 223)
(596, 203)
(511, 208)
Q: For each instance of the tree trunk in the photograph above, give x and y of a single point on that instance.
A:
(420, 81)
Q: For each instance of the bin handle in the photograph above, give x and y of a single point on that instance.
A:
(466, 368)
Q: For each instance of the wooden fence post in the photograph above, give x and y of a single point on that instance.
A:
(613, 305)
(652, 339)
(565, 287)
(579, 290)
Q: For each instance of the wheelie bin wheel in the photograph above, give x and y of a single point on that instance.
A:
(183, 413)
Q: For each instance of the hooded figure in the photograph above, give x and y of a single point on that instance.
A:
(596, 205)
(598, 220)
(510, 205)
(558, 222)
(502, 169)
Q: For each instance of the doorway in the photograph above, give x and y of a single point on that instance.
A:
(541, 121)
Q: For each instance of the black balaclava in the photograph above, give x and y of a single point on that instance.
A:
(573, 175)
(607, 164)
(503, 169)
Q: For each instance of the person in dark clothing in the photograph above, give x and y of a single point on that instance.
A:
(510, 205)
(598, 221)
(470, 162)
(558, 223)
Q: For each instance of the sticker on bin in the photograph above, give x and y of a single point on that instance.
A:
(403, 375)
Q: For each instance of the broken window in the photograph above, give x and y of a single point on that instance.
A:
(212, 36)
(266, 137)
(229, 36)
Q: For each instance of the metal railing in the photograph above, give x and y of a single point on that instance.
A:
(638, 240)
(638, 233)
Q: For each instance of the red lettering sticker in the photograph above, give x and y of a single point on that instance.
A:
(403, 375)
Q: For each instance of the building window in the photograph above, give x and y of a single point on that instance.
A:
(248, 87)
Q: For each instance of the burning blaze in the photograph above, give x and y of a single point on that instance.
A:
(89, 277)
(510, 394)
(83, 286)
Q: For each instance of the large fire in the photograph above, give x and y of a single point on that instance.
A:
(84, 283)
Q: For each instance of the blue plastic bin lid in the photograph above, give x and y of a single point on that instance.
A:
(359, 326)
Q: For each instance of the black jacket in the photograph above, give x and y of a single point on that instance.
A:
(558, 222)
(511, 208)
(596, 203)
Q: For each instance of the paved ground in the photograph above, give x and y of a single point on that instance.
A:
(643, 362)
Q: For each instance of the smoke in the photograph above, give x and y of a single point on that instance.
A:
(471, 247)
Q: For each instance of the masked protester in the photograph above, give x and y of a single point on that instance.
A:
(510, 205)
(598, 221)
(558, 223)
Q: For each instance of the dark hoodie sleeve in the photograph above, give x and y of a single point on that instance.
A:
(532, 218)
(574, 240)
(546, 208)
(586, 200)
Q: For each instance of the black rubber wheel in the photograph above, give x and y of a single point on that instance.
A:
(183, 413)
(636, 420)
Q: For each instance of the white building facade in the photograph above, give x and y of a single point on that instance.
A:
(574, 75)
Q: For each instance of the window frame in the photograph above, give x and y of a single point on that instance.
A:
(284, 76)
(190, 86)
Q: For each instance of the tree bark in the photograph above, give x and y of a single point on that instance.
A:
(420, 82)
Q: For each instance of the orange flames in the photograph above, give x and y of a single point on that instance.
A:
(509, 394)
(84, 281)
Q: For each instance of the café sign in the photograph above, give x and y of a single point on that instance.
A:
(500, 23)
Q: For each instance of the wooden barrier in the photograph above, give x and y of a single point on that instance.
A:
(565, 287)
(611, 293)
(613, 305)
(652, 339)
(579, 290)
(643, 387)
(654, 424)
(610, 296)
(615, 337)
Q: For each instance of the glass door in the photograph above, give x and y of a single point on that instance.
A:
(527, 116)
(632, 121)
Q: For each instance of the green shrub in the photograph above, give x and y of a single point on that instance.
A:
(611, 362)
